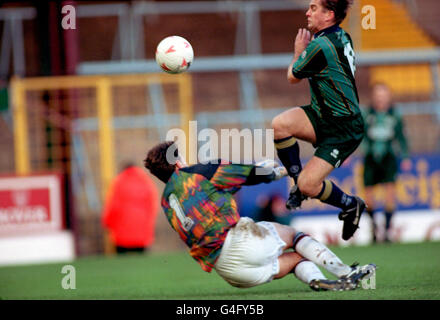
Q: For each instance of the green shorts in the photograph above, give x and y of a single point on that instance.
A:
(379, 172)
(336, 137)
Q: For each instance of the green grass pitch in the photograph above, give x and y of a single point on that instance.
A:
(405, 271)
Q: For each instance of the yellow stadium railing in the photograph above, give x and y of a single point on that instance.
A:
(103, 86)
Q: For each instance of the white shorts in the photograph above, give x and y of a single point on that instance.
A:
(249, 256)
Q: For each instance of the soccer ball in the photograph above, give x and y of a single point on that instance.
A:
(174, 54)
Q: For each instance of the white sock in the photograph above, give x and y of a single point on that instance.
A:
(307, 271)
(318, 253)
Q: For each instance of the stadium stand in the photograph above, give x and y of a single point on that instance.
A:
(396, 29)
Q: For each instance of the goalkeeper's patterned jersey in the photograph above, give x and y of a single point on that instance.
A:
(198, 203)
(328, 63)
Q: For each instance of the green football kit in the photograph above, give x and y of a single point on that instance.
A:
(383, 135)
(328, 64)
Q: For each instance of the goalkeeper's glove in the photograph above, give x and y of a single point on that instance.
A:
(271, 166)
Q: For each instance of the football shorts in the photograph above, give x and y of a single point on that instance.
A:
(249, 255)
(336, 137)
(378, 172)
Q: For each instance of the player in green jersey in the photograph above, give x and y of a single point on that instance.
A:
(332, 122)
(384, 131)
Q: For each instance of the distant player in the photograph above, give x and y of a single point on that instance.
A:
(199, 205)
(384, 132)
(332, 122)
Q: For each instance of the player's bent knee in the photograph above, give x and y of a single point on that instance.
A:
(281, 128)
(277, 123)
(286, 233)
(302, 184)
(307, 186)
(278, 129)
(287, 261)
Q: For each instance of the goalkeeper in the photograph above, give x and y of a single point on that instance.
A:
(199, 205)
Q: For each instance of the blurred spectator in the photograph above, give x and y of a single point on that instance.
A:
(384, 129)
(131, 209)
(273, 209)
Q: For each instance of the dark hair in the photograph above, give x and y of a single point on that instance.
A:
(160, 161)
(339, 7)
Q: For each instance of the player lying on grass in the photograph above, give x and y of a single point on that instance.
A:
(198, 202)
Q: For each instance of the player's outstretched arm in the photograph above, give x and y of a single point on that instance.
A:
(229, 176)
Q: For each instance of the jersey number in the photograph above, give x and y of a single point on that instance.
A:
(349, 54)
(185, 221)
